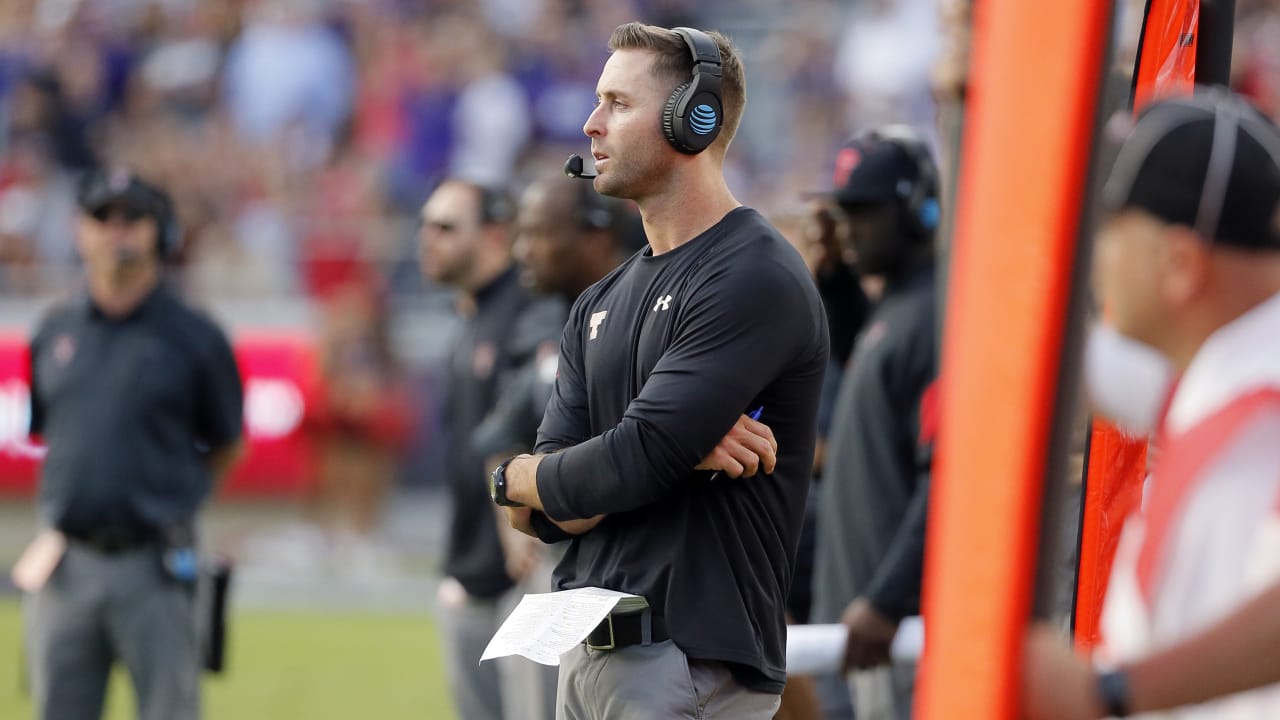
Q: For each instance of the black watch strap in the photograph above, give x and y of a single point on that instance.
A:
(1113, 691)
(498, 481)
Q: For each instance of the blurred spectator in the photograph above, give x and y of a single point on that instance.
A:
(37, 211)
(181, 69)
(357, 421)
(1255, 66)
(884, 60)
(491, 120)
(38, 108)
(407, 92)
(301, 101)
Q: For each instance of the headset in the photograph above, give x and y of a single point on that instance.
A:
(111, 183)
(920, 201)
(694, 114)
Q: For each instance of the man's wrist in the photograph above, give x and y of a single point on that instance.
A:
(499, 489)
(522, 480)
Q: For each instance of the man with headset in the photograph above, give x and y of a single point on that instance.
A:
(874, 489)
(568, 236)
(648, 459)
(466, 245)
(139, 401)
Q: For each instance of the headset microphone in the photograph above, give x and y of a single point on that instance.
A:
(575, 167)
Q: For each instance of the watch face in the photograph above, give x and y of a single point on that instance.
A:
(493, 484)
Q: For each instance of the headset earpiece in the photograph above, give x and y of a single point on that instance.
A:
(694, 113)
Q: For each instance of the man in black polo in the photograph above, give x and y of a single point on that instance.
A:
(139, 401)
(874, 490)
(466, 245)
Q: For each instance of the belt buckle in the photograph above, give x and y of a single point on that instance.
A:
(613, 643)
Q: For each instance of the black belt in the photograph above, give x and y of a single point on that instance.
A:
(619, 631)
(111, 542)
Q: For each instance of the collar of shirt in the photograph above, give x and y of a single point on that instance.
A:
(1239, 357)
(93, 314)
(495, 286)
(922, 274)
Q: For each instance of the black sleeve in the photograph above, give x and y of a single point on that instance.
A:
(220, 395)
(547, 531)
(895, 588)
(738, 329)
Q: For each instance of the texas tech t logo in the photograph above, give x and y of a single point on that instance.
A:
(597, 319)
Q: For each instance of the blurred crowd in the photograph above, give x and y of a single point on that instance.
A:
(299, 137)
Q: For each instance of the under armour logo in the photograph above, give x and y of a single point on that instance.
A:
(662, 304)
(597, 319)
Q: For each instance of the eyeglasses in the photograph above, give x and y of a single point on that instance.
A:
(124, 212)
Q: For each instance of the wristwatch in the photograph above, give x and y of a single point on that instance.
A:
(1113, 692)
(498, 485)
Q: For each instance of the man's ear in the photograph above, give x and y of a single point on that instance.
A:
(1186, 258)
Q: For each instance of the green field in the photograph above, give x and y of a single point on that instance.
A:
(292, 665)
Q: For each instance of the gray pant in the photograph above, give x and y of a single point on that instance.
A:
(654, 682)
(835, 692)
(885, 693)
(510, 688)
(98, 609)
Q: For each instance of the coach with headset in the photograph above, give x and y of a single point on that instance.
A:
(138, 399)
(675, 452)
(876, 478)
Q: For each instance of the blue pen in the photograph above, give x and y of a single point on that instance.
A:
(754, 415)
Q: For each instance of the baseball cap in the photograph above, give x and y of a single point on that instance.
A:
(1211, 162)
(870, 170)
(119, 186)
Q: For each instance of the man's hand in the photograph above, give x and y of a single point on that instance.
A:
(870, 635)
(748, 447)
(1057, 684)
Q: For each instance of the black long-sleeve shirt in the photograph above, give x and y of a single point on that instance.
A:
(498, 339)
(875, 485)
(658, 361)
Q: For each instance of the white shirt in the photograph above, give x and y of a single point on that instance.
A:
(1208, 537)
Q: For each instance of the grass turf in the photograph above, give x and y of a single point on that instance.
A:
(290, 665)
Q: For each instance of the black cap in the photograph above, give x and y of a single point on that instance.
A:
(872, 169)
(120, 186)
(1210, 162)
